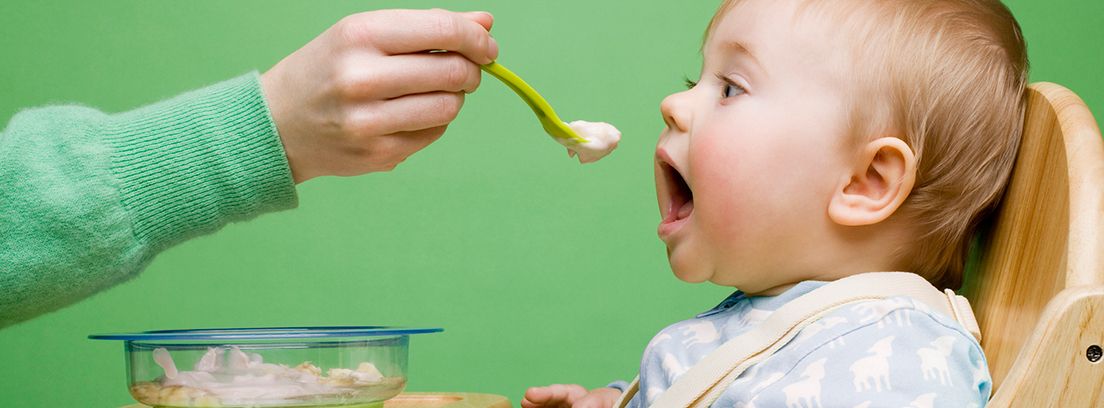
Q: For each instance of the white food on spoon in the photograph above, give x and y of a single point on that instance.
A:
(601, 139)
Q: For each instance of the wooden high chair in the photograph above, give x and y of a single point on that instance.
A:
(1038, 290)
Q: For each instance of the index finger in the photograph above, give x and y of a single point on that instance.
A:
(410, 31)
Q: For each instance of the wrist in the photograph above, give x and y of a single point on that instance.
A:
(607, 396)
(273, 90)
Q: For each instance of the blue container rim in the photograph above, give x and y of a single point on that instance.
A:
(267, 333)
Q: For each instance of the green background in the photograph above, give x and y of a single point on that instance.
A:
(540, 270)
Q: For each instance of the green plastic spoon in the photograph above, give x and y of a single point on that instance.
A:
(548, 119)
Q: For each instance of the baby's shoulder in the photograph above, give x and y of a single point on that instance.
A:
(894, 351)
(898, 334)
(905, 320)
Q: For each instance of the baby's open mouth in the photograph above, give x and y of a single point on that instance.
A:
(681, 196)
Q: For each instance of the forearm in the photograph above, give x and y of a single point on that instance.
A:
(88, 199)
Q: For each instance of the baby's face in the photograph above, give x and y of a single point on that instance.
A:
(751, 155)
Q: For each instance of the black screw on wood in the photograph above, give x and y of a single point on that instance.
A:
(1094, 353)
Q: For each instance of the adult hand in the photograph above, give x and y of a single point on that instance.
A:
(368, 92)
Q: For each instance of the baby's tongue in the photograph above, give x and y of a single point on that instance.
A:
(686, 209)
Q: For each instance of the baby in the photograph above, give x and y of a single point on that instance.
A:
(828, 138)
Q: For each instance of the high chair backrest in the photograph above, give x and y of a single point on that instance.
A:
(1038, 288)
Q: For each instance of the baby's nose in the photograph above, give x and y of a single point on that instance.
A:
(676, 113)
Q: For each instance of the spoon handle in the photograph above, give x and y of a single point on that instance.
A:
(548, 118)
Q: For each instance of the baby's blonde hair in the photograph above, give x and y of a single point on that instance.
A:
(947, 77)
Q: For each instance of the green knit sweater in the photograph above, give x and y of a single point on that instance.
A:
(87, 199)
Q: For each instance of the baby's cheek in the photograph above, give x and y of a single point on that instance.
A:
(720, 202)
(725, 176)
(741, 195)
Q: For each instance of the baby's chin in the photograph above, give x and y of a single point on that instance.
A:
(691, 270)
(686, 268)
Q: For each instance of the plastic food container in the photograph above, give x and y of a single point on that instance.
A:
(266, 367)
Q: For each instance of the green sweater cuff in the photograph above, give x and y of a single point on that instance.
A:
(189, 165)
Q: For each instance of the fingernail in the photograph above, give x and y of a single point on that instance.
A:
(478, 14)
(492, 49)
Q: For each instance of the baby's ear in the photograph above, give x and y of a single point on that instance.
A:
(883, 176)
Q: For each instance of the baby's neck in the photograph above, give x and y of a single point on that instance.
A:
(828, 272)
(837, 255)
(775, 291)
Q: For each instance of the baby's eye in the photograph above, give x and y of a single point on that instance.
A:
(731, 90)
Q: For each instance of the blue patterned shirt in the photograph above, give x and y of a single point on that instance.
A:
(895, 352)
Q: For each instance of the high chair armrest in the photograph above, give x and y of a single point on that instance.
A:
(1055, 367)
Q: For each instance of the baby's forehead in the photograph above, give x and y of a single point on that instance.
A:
(781, 35)
(794, 14)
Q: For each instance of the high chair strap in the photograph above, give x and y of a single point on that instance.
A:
(704, 382)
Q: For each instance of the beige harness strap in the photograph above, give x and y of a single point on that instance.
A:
(705, 381)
